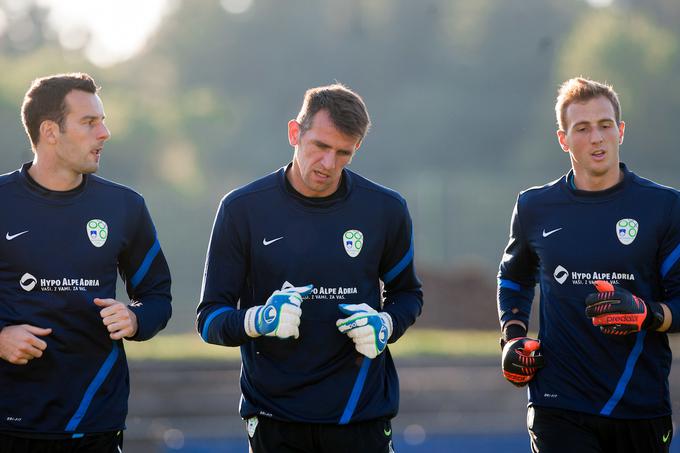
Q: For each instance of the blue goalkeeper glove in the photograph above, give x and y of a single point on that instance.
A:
(368, 329)
(280, 315)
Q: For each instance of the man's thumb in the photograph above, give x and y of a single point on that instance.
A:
(104, 302)
(41, 332)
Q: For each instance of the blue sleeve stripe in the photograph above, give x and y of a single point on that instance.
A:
(625, 377)
(509, 284)
(670, 261)
(77, 435)
(396, 270)
(93, 387)
(146, 264)
(213, 315)
(356, 392)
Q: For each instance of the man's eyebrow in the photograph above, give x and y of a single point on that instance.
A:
(603, 120)
(92, 117)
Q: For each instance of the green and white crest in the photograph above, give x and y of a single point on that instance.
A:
(97, 232)
(353, 240)
(626, 230)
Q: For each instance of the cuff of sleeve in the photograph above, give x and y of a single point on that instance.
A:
(520, 316)
(387, 319)
(140, 335)
(152, 317)
(249, 322)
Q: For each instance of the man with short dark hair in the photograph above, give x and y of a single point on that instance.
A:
(604, 245)
(317, 374)
(63, 370)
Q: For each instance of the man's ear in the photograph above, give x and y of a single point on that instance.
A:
(49, 132)
(562, 139)
(294, 129)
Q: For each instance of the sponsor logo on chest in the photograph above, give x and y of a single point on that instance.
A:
(28, 282)
(562, 276)
(332, 292)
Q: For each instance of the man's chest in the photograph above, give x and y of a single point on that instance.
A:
(53, 240)
(615, 242)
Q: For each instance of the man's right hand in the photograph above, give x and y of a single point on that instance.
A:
(521, 360)
(20, 343)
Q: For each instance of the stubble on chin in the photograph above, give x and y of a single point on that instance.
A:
(89, 169)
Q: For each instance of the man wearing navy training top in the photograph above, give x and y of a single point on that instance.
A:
(604, 246)
(67, 233)
(293, 276)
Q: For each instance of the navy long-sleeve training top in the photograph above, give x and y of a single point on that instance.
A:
(59, 251)
(564, 239)
(265, 234)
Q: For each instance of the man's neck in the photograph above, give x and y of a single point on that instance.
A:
(597, 183)
(52, 178)
(295, 179)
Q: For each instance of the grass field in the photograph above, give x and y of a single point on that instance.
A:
(416, 343)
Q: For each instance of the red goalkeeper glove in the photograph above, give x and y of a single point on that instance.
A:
(521, 357)
(617, 311)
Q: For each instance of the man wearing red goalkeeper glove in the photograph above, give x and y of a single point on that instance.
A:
(617, 311)
(598, 382)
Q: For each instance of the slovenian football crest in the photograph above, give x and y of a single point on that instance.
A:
(626, 230)
(353, 240)
(97, 232)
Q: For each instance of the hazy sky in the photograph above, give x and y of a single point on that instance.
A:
(119, 28)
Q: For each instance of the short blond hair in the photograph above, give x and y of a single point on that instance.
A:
(580, 89)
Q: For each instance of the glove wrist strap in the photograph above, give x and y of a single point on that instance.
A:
(655, 316)
(512, 331)
(387, 319)
(250, 322)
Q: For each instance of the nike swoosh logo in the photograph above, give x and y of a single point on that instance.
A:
(9, 237)
(546, 234)
(666, 436)
(266, 242)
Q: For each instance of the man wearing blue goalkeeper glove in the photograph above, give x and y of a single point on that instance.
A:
(280, 316)
(597, 373)
(317, 374)
(368, 329)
